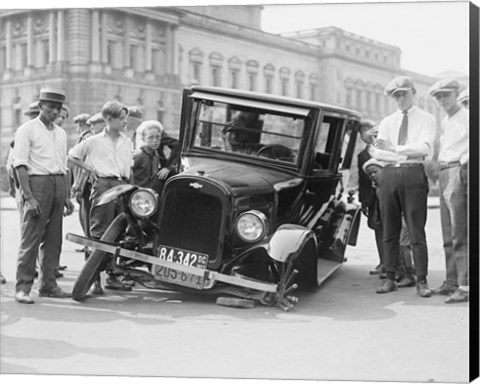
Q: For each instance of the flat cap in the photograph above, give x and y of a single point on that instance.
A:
(81, 118)
(33, 109)
(399, 83)
(444, 85)
(464, 96)
(96, 118)
(52, 94)
(135, 112)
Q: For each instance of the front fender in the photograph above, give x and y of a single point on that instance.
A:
(114, 193)
(288, 241)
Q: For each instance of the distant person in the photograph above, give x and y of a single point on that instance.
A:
(64, 113)
(464, 98)
(367, 192)
(97, 123)
(42, 175)
(83, 128)
(405, 139)
(453, 161)
(135, 118)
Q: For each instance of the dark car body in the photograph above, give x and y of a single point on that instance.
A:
(259, 200)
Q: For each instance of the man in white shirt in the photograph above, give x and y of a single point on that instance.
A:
(453, 181)
(39, 159)
(108, 157)
(405, 139)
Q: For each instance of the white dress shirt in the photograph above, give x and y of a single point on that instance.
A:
(105, 157)
(41, 150)
(454, 142)
(421, 136)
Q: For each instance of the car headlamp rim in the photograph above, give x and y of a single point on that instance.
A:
(257, 218)
(150, 198)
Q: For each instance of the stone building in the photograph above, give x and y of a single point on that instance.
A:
(145, 56)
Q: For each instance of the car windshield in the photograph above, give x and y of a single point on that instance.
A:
(247, 131)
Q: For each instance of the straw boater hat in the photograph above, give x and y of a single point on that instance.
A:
(52, 94)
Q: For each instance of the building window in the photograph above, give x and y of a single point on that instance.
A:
(313, 91)
(252, 82)
(234, 78)
(299, 83)
(216, 76)
(284, 80)
(3, 58)
(196, 61)
(268, 84)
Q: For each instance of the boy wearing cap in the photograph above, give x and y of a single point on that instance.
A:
(39, 159)
(97, 123)
(405, 140)
(464, 98)
(108, 157)
(453, 181)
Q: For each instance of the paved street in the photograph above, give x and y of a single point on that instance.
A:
(341, 331)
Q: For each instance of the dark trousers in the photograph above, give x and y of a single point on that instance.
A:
(404, 189)
(85, 206)
(101, 216)
(41, 236)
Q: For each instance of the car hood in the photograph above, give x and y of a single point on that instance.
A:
(240, 178)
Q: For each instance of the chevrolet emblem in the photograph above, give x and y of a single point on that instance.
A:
(196, 185)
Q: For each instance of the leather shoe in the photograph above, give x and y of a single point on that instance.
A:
(23, 298)
(2, 279)
(378, 270)
(113, 283)
(423, 290)
(58, 274)
(459, 296)
(56, 292)
(406, 281)
(61, 267)
(97, 289)
(444, 289)
(387, 286)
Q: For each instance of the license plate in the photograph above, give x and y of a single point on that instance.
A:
(183, 257)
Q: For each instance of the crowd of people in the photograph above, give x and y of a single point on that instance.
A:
(393, 188)
(45, 176)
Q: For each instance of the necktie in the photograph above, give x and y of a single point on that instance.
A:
(403, 133)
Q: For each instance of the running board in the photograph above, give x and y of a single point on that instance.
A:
(325, 268)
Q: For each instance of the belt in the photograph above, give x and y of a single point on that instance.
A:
(118, 178)
(449, 164)
(50, 174)
(403, 165)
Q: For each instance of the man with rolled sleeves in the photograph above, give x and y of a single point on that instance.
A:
(453, 160)
(39, 159)
(107, 156)
(405, 139)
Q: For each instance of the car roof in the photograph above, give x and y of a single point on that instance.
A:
(266, 97)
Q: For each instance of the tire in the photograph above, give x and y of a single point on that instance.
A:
(89, 271)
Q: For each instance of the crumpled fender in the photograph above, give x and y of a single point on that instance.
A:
(114, 193)
(288, 241)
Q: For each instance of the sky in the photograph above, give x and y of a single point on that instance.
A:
(433, 36)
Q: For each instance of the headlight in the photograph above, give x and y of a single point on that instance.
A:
(143, 202)
(251, 226)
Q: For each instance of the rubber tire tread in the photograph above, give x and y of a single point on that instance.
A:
(87, 274)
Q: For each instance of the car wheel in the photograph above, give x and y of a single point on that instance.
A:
(90, 269)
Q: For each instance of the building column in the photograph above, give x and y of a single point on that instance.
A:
(9, 47)
(104, 39)
(95, 37)
(174, 52)
(61, 36)
(148, 46)
(30, 43)
(126, 44)
(169, 50)
(52, 52)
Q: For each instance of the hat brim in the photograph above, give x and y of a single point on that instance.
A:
(400, 90)
(443, 90)
(52, 100)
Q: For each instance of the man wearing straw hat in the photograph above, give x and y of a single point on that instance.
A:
(40, 162)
